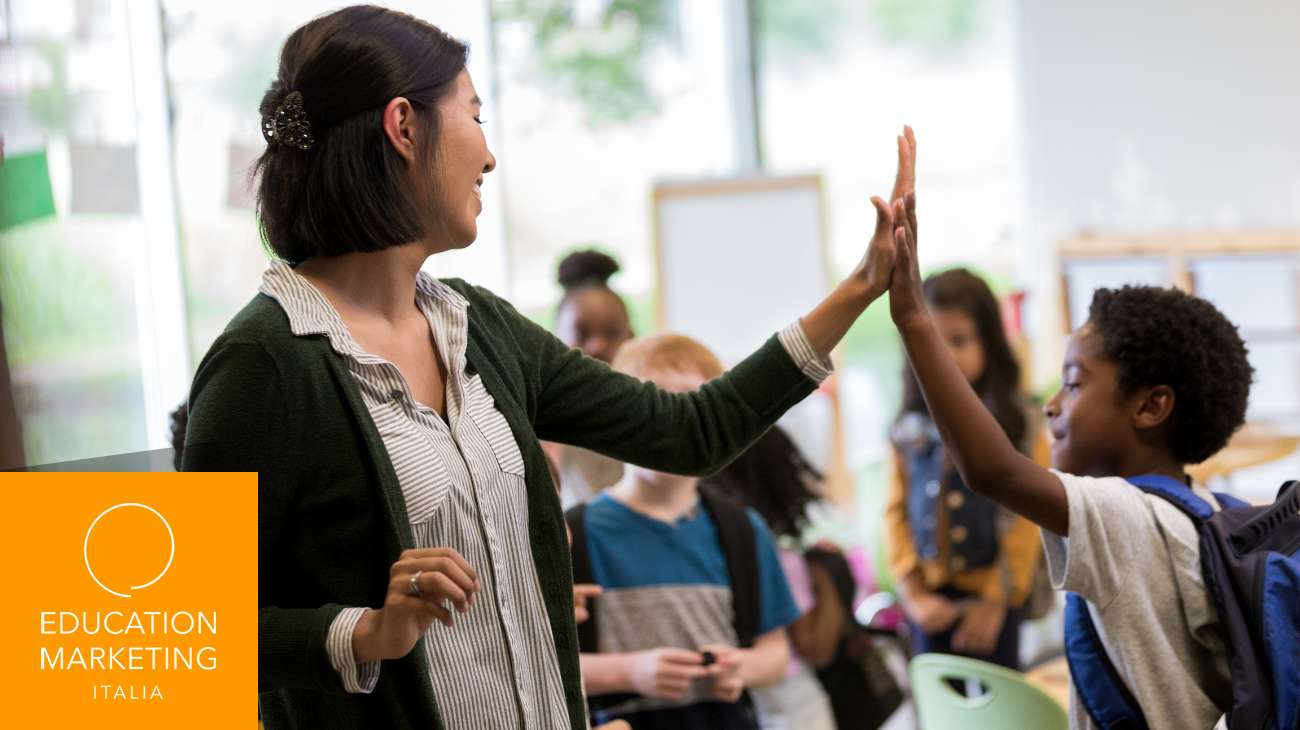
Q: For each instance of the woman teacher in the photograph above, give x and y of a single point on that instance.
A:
(413, 568)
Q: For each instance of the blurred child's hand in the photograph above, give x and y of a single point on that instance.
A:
(725, 671)
(978, 630)
(583, 592)
(934, 613)
(665, 672)
(615, 725)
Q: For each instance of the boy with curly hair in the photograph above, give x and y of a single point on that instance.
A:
(1155, 380)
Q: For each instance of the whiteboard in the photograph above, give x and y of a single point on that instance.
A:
(738, 259)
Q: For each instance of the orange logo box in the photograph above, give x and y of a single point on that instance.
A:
(130, 600)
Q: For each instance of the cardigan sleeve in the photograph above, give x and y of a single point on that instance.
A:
(583, 402)
(239, 422)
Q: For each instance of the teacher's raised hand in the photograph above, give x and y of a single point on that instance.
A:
(830, 320)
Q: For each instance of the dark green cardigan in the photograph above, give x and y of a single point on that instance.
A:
(331, 516)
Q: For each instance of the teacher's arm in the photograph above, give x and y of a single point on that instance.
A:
(238, 423)
(583, 402)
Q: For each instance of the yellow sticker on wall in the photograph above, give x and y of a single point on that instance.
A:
(130, 599)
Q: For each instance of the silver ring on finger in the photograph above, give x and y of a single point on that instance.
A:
(413, 587)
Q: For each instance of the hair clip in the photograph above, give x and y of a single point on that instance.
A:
(289, 125)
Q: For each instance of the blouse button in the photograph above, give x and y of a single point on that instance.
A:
(932, 489)
(955, 500)
(396, 394)
(958, 563)
(958, 533)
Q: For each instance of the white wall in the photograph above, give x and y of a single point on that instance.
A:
(1153, 115)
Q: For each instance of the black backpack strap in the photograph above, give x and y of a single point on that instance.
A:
(740, 548)
(576, 517)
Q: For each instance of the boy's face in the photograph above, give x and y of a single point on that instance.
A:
(673, 381)
(1089, 417)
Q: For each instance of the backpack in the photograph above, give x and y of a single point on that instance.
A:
(739, 548)
(1250, 558)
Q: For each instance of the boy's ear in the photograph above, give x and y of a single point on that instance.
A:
(1154, 406)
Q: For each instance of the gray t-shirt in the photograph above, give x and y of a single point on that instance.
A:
(1136, 559)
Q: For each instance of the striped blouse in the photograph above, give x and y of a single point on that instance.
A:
(463, 482)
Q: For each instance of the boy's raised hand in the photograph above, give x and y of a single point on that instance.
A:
(906, 300)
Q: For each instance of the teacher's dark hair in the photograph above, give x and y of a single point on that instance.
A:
(351, 191)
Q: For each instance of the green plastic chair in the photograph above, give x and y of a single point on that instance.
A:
(1009, 702)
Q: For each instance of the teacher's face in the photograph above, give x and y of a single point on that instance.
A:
(463, 159)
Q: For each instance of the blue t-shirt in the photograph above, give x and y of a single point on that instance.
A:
(667, 585)
(633, 552)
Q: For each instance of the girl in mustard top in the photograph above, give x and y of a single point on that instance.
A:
(963, 565)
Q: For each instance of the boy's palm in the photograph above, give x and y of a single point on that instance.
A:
(906, 299)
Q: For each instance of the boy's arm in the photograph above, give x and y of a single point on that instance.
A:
(986, 458)
(664, 672)
(765, 662)
(604, 674)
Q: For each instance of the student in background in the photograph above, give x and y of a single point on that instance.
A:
(593, 318)
(582, 593)
(1156, 379)
(774, 479)
(963, 564)
(667, 647)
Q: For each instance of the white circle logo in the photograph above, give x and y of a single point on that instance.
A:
(85, 548)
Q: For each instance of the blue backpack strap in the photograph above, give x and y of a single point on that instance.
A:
(1096, 681)
(1175, 493)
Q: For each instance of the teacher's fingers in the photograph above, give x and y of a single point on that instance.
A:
(433, 559)
(437, 612)
(454, 570)
(884, 215)
(438, 586)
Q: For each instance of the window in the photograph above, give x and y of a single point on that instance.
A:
(91, 302)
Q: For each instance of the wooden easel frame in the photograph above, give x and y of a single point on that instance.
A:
(1177, 248)
(839, 482)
